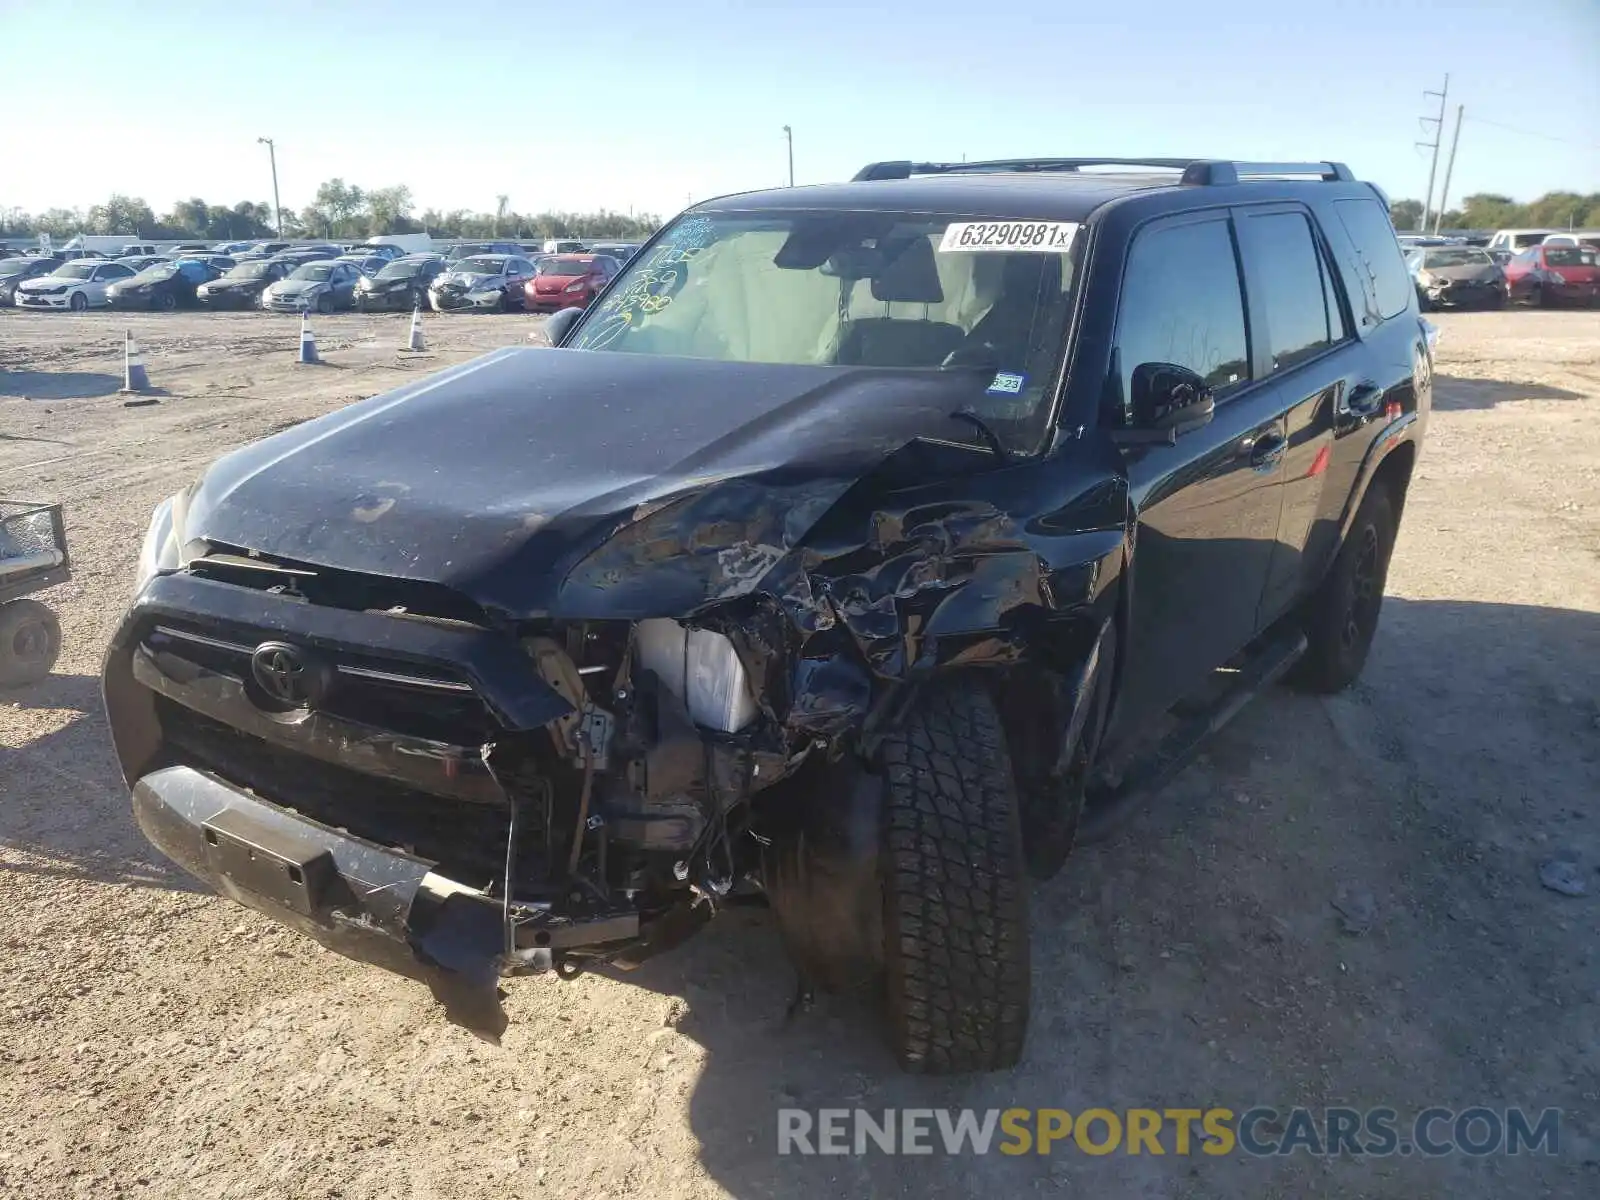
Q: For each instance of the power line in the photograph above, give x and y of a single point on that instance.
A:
(1549, 137)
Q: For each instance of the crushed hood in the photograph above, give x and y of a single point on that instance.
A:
(499, 477)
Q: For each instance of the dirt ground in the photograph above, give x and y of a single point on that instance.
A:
(158, 1041)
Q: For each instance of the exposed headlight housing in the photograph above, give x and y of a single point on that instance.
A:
(163, 547)
(700, 667)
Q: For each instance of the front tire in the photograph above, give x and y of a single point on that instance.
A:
(79, 302)
(324, 303)
(955, 896)
(1342, 617)
(30, 642)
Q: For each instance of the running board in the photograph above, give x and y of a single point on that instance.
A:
(1104, 812)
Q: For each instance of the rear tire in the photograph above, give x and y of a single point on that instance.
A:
(1342, 617)
(30, 642)
(955, 895)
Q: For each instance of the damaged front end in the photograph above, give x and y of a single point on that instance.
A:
(538, 720)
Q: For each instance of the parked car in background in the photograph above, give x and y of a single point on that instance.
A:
(1507, 242)
(164, 286)
(102, 245)
(183, 248)
(1554, 275)
(484, 281)
(621, 251)
(263, 250)
(1456, 275)
(222, 262)
(14, 271)
(1578, 237)
(565, 245)
(77, 285)
(382, 250)
(568, 281)
(243, 286)
(138, 262)
(137, 249)
(367, 264)
(401, 284)
(305, 254)
(233, 248)
(468, 249)
(323, 286)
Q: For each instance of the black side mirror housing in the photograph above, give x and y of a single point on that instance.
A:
(560, 324)
(1170, 398)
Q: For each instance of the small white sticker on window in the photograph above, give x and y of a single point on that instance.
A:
(1007, 383)
(1009, 237)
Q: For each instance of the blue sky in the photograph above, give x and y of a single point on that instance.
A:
(642, 105)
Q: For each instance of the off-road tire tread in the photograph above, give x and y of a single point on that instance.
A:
(955, 897)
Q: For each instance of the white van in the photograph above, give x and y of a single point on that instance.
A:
(406, 243)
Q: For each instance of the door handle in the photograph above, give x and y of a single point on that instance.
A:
(1364, 398)
(1267, 451)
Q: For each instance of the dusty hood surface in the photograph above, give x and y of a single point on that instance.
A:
(497, 477)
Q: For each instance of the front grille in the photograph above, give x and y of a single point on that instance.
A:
(466, 840)
(401, 697)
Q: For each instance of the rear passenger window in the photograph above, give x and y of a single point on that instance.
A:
(1378, 253)
(1293, 304)
(1181, 304)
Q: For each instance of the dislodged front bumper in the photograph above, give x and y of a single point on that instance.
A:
(366, 901)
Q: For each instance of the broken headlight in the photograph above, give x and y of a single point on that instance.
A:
(700, 667)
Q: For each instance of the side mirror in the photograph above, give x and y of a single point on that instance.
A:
(560, 324)
(1170, 398)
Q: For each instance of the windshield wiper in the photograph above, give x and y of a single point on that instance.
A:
(984, 428)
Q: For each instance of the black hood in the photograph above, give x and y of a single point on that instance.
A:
(498, 477)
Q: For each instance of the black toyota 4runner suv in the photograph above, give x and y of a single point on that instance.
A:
(858, 543)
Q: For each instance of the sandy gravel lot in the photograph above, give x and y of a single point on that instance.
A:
(157, 1041)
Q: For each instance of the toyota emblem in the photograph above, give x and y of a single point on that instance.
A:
(285, 675)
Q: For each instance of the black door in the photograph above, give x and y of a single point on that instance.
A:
(1316, 372)
(1208, 504)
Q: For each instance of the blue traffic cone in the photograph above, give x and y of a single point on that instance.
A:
(414, 342)
(308, 344)
(134, 377)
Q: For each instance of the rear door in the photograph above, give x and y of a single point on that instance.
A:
(1208, 503)
(1312, 367)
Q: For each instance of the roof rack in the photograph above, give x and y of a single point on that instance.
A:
(1197, 172)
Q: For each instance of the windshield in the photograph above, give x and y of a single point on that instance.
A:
(14, 266)
(250, 270)
(314, 271)
(75, 270)
(1568, 256)
(562, 266)
(866, 289)
(1455, 257)
(400, 270)
(481, 266)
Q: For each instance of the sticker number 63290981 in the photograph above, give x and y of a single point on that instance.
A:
(1009, 237)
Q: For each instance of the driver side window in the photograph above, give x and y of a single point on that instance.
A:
(1182, 303)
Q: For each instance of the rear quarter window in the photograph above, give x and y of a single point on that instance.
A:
(1381, 271)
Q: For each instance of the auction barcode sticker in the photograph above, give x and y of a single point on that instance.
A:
(1009, 237)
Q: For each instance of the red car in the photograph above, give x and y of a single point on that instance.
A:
(1554, 275)
(568, 281)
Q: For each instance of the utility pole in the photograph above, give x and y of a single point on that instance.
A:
(272, 156)
(1438, 136)
(789, 137)
(1449, 166)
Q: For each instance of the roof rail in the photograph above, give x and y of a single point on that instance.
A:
(1201, 172)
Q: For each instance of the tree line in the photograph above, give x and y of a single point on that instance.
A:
(338, 210)
(1489, 210)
